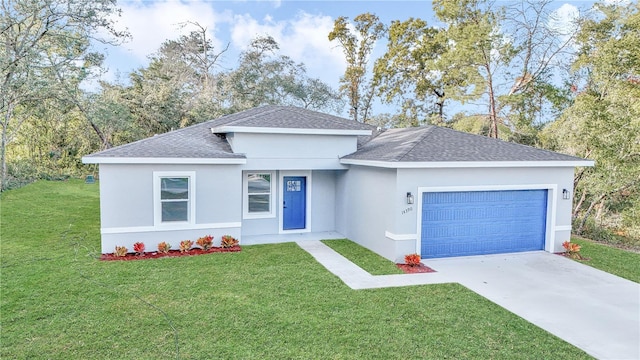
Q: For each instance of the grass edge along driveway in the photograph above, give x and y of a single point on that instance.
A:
(266, 302)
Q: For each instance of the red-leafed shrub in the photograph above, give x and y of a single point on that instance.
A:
(573, 249)
(185, 245)
(205, 242)
(138, 248)
(412, 259)
(120, 251)
(164, 247)
(228, 241)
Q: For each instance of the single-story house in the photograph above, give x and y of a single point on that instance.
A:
(276, 170)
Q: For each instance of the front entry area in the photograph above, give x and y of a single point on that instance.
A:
(294, 205)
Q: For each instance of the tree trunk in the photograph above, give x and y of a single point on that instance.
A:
(578, 205)
(587, 213)
(3, 160)
(493, 117)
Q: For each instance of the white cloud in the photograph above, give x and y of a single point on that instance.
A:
(303, 38)
(151, 23)
(564, 19)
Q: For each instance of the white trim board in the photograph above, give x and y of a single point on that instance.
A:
(268, 130)
(140, 229)
(161, 160)
(309, 189)
(464, 164)
(399, 237)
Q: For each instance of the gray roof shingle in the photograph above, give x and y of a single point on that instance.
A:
(421, 144)
(438, 144)
(195, 141)
(288, 117)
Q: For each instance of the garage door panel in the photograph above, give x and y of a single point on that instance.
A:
(482, 222)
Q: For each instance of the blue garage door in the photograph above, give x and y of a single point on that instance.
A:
(482, 222)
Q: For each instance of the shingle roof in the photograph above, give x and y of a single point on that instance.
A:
(288, 117)
(195, 141)
(438, 144)
(421, 144)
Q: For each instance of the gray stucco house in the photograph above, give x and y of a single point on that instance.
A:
(268, 173)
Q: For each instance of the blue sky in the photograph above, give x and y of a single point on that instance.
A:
(300, 27)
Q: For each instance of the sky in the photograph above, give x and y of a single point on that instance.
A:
(300, 27)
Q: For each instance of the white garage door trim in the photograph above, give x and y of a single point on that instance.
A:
(549, 238)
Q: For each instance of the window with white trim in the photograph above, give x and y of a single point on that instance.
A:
(174, 197)
(258, 190)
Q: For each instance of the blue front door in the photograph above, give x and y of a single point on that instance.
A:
(294, 208)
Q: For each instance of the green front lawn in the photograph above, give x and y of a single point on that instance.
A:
(369, 261)
(616, 261)
(266, 302)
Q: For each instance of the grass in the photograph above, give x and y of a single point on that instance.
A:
(266, 302)
(371, 262)
(616, 261)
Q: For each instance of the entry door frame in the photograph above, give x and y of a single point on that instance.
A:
(552, 190)
(302, 173)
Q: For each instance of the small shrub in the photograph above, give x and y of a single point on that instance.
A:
(185, 245)
(164, 247)
(120, 251)
(228, 241)
(138, 248)
(573, 250)
(412, 259)
(205, 242)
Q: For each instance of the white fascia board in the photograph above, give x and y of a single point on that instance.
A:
(267, 130)
(144, 160)
(465, 164)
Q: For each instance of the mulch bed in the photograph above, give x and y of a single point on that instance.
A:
(408, 269)
(580, 257)
(171, 253)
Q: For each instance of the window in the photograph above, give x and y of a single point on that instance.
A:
(174, 198)
(259, 194)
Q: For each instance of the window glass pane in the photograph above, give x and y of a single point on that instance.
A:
(259, 203)
(259, 183)
(175, 211)
(174, 188)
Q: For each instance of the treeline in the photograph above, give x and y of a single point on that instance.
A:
(516, 72)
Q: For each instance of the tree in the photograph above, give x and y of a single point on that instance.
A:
(263, 77)
(603, 122)
(412, 71)
(357, 47)
(542, 51)
(41, 42)
(475, 43)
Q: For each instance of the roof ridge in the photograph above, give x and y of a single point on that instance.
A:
(428, 130)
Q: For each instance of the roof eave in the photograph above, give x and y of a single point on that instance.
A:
(466, 164)
(162, 160)
(295, 131)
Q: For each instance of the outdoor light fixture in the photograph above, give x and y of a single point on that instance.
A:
(565, 194)
(409, 198)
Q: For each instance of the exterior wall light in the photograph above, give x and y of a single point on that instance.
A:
(565, 194)
(409, 198)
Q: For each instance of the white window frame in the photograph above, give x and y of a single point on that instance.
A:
(245, 196)
(157, 202)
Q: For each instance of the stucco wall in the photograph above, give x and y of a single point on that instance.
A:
(558, 221)
(127, 205)
(364, 207)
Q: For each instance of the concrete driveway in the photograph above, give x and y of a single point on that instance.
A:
(591, 309)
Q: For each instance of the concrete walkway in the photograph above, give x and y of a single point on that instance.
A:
(591, 309)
